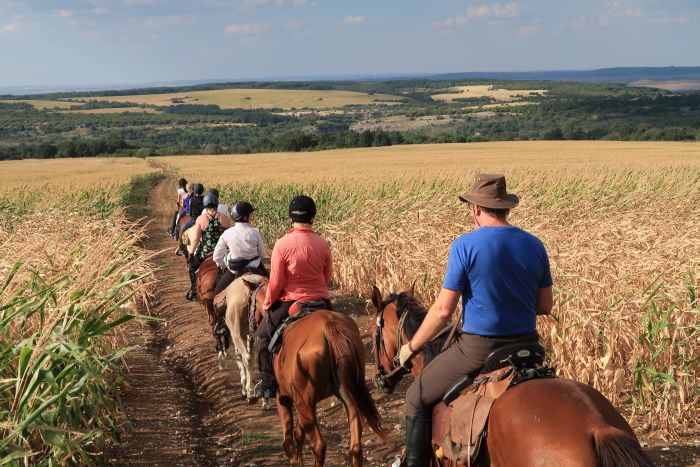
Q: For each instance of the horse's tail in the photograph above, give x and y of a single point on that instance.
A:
(617, 448)
(348, 359)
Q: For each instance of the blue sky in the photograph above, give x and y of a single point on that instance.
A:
(63, 42)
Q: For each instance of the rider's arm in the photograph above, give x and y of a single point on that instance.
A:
(278, 277)
(261, 248)
(220, 252)
(438, 316)
(545, 301)
(195, 235)
(328, 267)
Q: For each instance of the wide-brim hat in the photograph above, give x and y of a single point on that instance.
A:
(489, 191)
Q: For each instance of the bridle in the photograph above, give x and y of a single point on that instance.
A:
(382, 379)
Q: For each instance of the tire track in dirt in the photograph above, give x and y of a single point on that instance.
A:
(185, 411)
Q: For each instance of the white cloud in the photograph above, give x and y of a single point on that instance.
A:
(576, 23)
(64, 13)
(619, 10)
(100, 11)
(244, 29)
(8, 28)
(172, 21)
(350, 19)
(485, 10)
(527, 30)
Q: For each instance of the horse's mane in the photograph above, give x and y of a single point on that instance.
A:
(407, 303)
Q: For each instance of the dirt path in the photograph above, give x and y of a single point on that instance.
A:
(185, 411)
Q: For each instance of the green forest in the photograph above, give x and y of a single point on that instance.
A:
(574, 111)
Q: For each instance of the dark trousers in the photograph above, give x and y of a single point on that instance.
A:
(465, 356)
(277, 314)
(227, 276)
(174, 223)
(193, 264)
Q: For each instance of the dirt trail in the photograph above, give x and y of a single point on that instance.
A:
(185, 411)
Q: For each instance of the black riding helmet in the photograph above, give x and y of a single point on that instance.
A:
(214, 192)
(302, 209)
(210, 201)
(241, 209)
(198, 188)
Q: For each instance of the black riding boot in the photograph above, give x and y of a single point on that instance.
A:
(267, 387)
(418, 451)
(192, 294)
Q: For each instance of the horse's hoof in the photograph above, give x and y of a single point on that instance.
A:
(252, 400)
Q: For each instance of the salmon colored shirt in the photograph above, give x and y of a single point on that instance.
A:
(301, 267)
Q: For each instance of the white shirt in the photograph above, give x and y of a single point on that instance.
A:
(181, 191)
(240, 241)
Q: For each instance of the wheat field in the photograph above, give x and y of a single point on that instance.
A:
(621, 223)
(260, 98)
(485, 90)
(58, 175)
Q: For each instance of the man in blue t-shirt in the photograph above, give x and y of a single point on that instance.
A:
(502, 275)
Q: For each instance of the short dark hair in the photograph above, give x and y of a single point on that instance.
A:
(498, 213)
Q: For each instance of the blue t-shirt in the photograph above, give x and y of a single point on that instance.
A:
(499, 271)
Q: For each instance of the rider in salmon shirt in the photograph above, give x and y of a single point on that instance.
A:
(300, 270)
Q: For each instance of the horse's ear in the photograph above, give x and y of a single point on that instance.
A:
(376, 298)
(250, 285)
(413, 288)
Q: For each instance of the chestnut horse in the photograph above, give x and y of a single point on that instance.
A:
(321, 355)
(206, 283)
(550, 421)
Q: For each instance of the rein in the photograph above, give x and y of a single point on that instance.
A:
(252, 325)
(397, 371)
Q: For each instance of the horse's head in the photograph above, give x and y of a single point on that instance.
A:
(257, 297)
(398, 318)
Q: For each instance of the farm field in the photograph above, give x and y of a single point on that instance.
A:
(473, 91)
(260, 98)
(69, 175)
(625, 277)
(42, 104)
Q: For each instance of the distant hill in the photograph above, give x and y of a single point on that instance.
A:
(615, 75)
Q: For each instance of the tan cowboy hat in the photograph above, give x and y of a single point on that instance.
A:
(489, 191)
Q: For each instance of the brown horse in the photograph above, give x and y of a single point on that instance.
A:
(543, 422)
(206, 283)
(321, 355)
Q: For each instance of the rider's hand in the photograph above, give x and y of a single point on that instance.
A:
(405, 355)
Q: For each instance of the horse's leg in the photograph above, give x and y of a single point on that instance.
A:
(242, 373)
(299, 436)
(355, 433)
(306, 413)
(284, 409)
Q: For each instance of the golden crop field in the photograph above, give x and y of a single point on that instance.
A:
(261, 98)
(621, 222)
(485, 91)
(60, 175)
(42, 104)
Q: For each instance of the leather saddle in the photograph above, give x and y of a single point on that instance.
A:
(460, 420)
(297, 311)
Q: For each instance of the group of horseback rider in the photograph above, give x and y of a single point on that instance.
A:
(300, 270)
(500, 272)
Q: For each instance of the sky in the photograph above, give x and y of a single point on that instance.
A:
(101, 42)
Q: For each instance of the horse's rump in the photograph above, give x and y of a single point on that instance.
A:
(206, 279)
